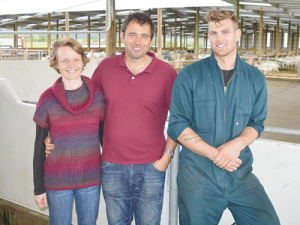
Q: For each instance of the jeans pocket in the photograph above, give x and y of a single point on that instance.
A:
(157, 169)
(104, 164)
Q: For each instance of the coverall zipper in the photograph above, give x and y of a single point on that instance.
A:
(225, 88)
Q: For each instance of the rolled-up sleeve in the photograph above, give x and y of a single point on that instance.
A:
(260, 108)
(181, 110)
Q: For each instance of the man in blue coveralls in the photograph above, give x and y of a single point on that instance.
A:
(218, 108)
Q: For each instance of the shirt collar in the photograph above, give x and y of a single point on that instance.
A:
(239, 67)
(149, 68)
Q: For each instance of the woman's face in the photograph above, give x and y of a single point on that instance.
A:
(69, 63)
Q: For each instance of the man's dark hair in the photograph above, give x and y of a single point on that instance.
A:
(140, 18)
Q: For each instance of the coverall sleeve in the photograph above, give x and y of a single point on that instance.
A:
(181, 110)
(260, 108)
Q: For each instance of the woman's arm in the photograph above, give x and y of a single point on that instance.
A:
(39, 159)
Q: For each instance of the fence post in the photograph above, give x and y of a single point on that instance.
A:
(26, 54)
(173, 197)
(298, 69)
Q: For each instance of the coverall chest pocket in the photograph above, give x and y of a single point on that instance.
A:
(204, 113)
(241, 118)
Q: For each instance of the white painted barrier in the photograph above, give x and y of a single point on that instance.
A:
(275, 163)
(31, 78)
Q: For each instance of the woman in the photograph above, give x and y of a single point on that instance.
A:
(70, 112)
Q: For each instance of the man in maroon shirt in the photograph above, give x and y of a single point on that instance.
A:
(137, 88)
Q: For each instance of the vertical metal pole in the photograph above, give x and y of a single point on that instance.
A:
(261, 32)
(196, 38)
(289, 39)
(181, 37)
(277, 38)
(49, 35)
(293, 41)
(171, 40)
(16, 36)
(206, 41)
(175, 34)
(246, 39)
(159, 33)
(241, 39)
(266, 39)
(31, 41)
(173, 197)
(297, 41)
(67, 17)
(255, 39)
(120, 35)
(238, 10)
(57, 37)
(89, 35)
(99, 40)
(111, 34)
(164, 45)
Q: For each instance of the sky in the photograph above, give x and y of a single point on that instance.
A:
(46, 6)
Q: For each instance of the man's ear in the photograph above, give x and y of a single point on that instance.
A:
(238, 34)
(122, 36)
(151, 42)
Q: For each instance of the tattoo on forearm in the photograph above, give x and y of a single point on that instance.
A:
(187, 134)
(196, 139)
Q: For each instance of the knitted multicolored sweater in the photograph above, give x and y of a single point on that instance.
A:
(72, 118)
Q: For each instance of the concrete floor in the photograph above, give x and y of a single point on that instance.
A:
(283, 108)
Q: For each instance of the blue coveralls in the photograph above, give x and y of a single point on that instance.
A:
(218, 114)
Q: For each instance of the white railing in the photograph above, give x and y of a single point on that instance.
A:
(7, 54)
(288, 67)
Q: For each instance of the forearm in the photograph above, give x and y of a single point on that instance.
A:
(228, 157)
(247, 137)
(163, 162)
(192, 141)
(170, 145)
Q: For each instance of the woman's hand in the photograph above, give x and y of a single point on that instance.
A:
(41, 200)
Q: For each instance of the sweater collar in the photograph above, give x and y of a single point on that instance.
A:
(149, 68)
(59, 92)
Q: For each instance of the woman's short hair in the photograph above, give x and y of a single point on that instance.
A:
(72, 43)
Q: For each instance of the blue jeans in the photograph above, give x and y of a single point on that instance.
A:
(132, 190)
(86, 202)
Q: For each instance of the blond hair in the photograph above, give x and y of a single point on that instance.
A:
(218, 15)
(72, 43)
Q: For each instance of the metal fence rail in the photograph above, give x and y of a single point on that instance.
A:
(277, 67)
(22, 54)
(278, 130)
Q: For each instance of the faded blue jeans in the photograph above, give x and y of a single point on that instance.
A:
(132, 190)
(86, 202)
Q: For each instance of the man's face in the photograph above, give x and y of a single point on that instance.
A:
(137, 40)
(223, 38)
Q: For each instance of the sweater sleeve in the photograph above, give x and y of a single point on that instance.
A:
(39, 159)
